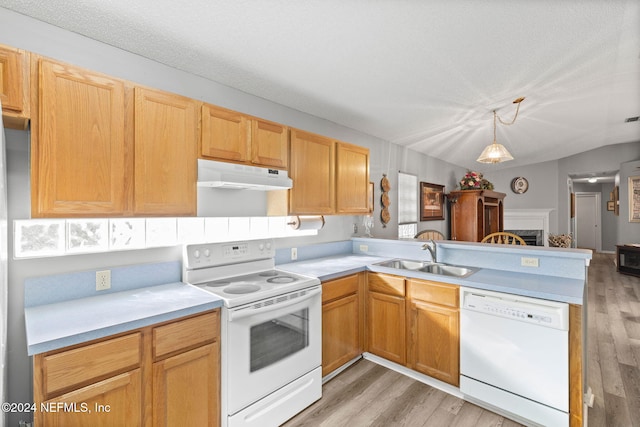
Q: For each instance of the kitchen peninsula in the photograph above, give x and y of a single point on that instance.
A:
(401, 309)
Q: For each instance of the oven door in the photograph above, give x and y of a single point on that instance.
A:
(271, 343)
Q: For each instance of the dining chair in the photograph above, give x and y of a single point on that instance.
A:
(505, 238)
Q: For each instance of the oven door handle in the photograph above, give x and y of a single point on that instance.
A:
(250, 311)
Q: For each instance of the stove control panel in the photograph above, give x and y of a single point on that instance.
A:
(215, 254)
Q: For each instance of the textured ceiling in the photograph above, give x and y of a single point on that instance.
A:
(424, 74)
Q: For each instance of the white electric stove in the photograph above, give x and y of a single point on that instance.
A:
(271, 330)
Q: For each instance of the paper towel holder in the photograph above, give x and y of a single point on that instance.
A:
(308, 222)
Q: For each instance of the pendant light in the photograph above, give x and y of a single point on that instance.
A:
(497, 153)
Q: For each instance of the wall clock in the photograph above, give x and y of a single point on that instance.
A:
(519, 185)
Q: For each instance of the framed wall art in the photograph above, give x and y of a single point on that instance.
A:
(431, 202)
(634, 199)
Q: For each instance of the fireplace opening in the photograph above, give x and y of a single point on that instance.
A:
(530, 237)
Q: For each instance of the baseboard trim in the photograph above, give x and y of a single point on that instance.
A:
(425, 379)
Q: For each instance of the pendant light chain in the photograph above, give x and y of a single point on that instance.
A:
(517, 101)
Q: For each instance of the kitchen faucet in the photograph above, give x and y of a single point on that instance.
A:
(432, 248)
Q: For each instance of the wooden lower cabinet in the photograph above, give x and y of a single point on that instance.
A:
(160, 375)
(385, 319)
(341, 321)
(433, 319)
(115, 401)
(186, 389)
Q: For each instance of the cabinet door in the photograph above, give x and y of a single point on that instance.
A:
(340, 332)
(14, 87)
(434, 341)
(352, 179)
(386, 326)
(186, 388)
(269, 144)
(312, 171)
(165, 153)
(79, 163)
(224, 134)
(115, 401)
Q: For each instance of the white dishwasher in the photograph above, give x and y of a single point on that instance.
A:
(514, 355)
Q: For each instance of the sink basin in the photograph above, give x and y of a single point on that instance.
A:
(447, 270)
(405, 264)
(428, 267)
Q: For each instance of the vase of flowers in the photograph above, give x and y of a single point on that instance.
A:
(475, 181)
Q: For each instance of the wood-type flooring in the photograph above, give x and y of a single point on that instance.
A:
(367, 394)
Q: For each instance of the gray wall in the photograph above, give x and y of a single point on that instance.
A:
(628, 232)
(611, 157)
(541, 194)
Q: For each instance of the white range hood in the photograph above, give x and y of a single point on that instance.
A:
(216, 174)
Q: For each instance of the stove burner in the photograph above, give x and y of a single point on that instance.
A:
(217, 283)
(241, 289)
(268, 273)
(282, 279)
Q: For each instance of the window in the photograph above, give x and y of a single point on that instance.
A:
(407, 205)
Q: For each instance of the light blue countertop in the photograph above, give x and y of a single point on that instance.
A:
(60, 324)
(66, 309)
(331, 267)
(532, 285)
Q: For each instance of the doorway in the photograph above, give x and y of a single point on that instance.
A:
(587, 233)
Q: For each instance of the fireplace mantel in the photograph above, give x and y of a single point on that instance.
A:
(528, 219)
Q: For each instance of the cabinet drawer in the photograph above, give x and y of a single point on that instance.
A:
(185, 334)
(433, 292)
(386, 284)
(339, 288)
(65, 370)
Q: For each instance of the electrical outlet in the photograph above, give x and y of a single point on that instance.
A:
(103, 280)
(529, 262)
(294, 254)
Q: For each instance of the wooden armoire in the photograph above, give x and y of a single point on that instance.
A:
(474, 214)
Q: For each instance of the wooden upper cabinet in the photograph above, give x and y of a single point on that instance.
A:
(166, 129)
(312, 170)
(352, 179)
(269, 144)
(329, 177)
(231, 136)
(14, 87)
(79, 149)
(224, 134)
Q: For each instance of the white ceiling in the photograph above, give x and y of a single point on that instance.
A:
(425, 74)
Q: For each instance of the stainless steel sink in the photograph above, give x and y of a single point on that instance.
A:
(428, 267)
(405, 264)
(447, 270)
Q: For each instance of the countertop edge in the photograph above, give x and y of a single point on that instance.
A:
(89, 333)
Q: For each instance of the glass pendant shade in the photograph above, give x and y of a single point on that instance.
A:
(494, 153)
